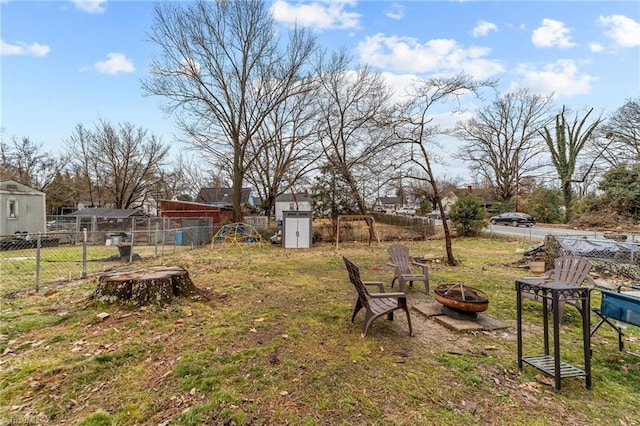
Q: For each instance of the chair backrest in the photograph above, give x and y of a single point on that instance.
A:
(399, 256)
(572, 269)
(354, 277)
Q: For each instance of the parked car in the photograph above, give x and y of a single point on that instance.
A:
(434, 214)
(379, 209)
(514, 219)
(22, 240)
(405, 211)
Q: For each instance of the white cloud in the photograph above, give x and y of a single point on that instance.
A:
(321, 14)
(483, 28)
(444, 56)
(552, 34)
(623, 30)
(117, 63)
(23, 49)
(395, 11)
(561, 78)
(90, 6)
(596, 47)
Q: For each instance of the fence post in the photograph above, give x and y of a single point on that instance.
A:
(164, 232)
(133, 238)
(84, 252)
(38, 241)
(156, 240)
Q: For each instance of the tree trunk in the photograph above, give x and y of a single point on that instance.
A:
(157, 285)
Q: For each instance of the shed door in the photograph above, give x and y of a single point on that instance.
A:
(297, 232)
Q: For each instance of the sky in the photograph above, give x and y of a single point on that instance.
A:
(65, 63)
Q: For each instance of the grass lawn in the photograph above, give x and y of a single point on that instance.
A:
(275, 345)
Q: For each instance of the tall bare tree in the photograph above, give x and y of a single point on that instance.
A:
(354, 121)
(285, 149)
(85, 164)
(565, 145)
(24, 161)
(418, 133)
(503, 139)
(124, 161)
(222, 70)
(621, 141)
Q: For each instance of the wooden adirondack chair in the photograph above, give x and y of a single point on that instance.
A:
(403, 263)
(568, 269)
(375, 304)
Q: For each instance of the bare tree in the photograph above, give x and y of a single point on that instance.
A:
(417, 132)
(565, 146)
(222, 72)
(621, 134)
(503, 139)
(24, 161)
(354, 114)
(191, 174)
(123, 162)
(85, 165)
(285, 149)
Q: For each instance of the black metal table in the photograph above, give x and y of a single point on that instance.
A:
(552, 365)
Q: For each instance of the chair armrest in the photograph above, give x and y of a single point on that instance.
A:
(415, 262)
(396, 295)
(378, 284)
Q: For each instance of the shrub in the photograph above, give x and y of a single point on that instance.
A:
(467, 215)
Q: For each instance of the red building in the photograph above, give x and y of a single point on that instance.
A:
(186, 209)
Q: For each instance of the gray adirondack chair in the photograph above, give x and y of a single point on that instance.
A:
(375, 304)
(568, 269)
(406, 268)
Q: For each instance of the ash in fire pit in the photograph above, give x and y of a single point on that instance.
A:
(461, 301)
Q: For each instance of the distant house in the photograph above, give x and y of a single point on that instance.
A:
(223, 197)
(485, 195)
(291, 202)
(389, 203)
(22, 208)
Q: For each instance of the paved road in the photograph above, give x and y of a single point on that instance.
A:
(538, 231)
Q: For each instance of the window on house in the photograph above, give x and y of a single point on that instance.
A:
(13, 209)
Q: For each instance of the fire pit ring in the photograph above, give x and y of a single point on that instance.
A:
(461, 298)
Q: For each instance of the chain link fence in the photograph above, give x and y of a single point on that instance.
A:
(618, 256)
(31, 261)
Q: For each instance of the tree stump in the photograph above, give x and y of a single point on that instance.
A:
(156, 285)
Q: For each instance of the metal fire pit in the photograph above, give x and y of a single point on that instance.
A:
(461, 301)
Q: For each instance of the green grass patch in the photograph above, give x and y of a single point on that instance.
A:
(276, 345)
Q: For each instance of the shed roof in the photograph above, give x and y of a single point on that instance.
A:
(107, 212)
(12, 186)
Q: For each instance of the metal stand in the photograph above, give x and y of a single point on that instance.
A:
(553, 365)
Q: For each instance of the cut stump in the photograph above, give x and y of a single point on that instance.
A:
(156, 285)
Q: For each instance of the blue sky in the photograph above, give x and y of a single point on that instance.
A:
(65, 63)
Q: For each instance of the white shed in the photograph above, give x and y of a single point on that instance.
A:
(297, 229)
(22, 208)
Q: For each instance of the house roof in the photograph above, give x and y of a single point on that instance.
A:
(8, 185)
(221, 195)
(484, 194)
(109, 213)
(390, 200)
(287, 198)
